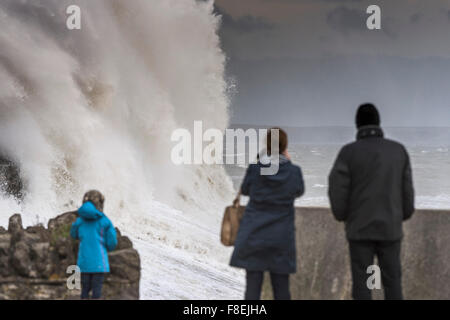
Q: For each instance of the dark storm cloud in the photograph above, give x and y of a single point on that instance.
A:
(342, 0)
(245, 24)
(345, 19)
(297, 1)
(251, 23)
(319, 61)
(415, 18)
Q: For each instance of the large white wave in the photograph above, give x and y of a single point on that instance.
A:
(95, 108)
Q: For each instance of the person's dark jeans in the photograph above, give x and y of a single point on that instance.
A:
(91, 281)
(280, 285)
(388, 253)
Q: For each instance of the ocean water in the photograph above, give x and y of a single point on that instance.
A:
(430, 163)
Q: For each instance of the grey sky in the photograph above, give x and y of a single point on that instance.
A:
(311, 62)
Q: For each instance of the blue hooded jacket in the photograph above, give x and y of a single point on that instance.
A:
(97, 236)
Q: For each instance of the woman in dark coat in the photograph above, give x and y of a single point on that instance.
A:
(266, 237)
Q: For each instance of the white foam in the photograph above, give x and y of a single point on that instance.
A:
(95, 108)
(433, 202)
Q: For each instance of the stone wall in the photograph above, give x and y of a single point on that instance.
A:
(34, 261)
(323, 261)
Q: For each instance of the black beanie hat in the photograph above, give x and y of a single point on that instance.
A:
(367, 115)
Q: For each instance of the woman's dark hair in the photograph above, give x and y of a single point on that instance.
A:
(96, 198)
(282, 140)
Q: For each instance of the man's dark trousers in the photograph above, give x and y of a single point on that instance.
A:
(362, 256)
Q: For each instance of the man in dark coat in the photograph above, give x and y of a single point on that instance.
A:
(371, 190)
(266, 237)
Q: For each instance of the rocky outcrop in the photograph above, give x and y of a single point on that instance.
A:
(34, 262)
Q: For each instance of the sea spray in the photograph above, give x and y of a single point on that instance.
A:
(95, 108)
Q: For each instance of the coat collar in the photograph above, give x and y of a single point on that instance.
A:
(369, 132)
(265, 159)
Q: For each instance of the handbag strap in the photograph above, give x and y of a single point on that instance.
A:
(236, 201)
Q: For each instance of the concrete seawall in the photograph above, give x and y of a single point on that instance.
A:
(323, 261)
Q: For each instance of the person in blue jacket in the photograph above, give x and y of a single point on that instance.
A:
(97, 236)
(266, 236)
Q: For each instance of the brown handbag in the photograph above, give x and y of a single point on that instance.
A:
(231, 221)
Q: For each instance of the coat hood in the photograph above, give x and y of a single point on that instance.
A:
(369, 132)
(283, 171)
(88, 211)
